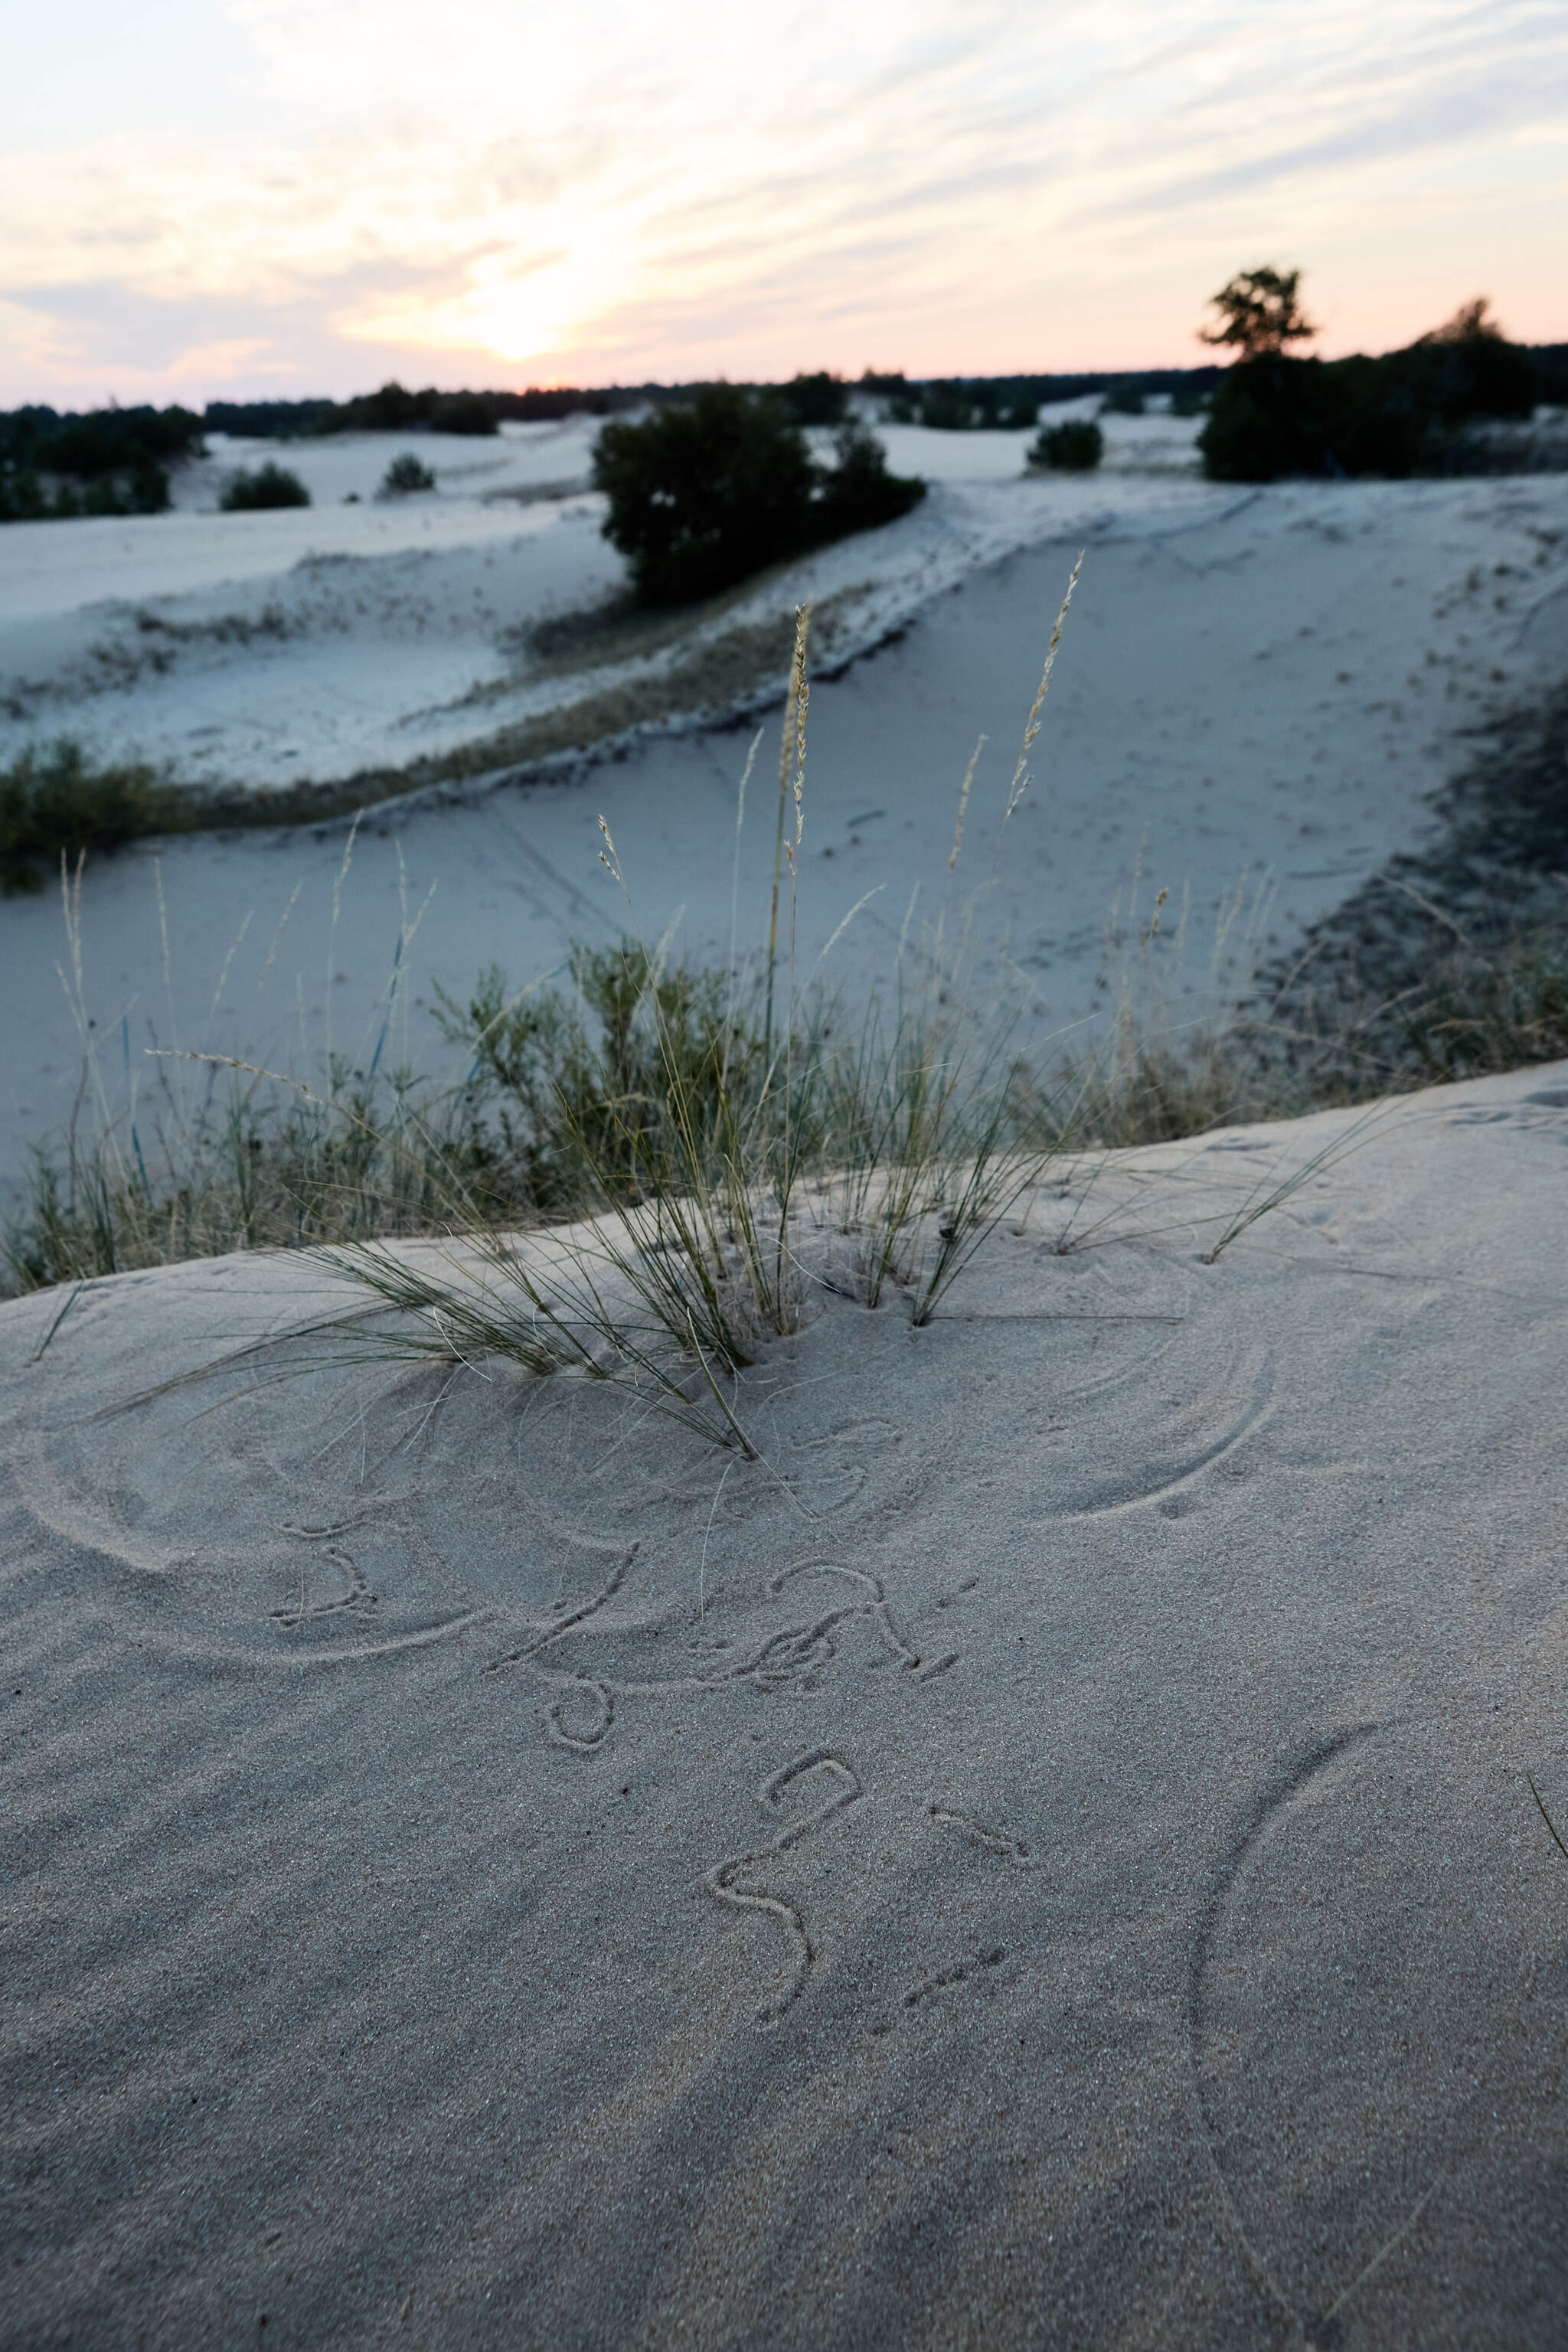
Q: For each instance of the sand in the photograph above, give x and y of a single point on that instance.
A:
(1257, 691)
(1044, 1857)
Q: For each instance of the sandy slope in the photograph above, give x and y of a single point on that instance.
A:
(1073, 1879)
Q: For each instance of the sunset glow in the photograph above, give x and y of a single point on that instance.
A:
(266, 195)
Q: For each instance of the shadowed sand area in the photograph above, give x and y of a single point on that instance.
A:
(1048, 1856)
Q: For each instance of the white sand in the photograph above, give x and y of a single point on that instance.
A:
(1074, 1882)
(1255, 688)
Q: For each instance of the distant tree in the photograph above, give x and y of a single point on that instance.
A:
(819, 399)
(1469, 324)
(463, 411)
(1259, 314)
(700, 495)
(947, 408)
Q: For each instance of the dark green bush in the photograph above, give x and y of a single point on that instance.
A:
(405, 475)
(703, 496)
(1124, 398)
(1075, 446)
(270, 486)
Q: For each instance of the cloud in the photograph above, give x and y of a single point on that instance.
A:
(612, 184)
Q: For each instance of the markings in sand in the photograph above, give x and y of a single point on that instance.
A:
(720, 1881)
(323, 1542)
(268, 1602)
(794, 1657)
(1298, 1779)
(1168, 1488)
(601, 1704)
(1000, 1842)
(956, 1972)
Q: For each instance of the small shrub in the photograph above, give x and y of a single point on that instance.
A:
(270, 486)
(405, 475)
(1123, 399)
(1073, 447)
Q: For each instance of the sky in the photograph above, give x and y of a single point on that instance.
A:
(229, 198)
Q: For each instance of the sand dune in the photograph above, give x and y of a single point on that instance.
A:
(1044, 1857)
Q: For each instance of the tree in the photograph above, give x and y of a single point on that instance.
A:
(1259, 314)
(703, 495)
(1469, 324)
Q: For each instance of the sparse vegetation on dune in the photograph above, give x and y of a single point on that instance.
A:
(54, 803)
(732, 1160)
(57, 797)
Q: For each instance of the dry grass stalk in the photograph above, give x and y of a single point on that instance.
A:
(1020, 784)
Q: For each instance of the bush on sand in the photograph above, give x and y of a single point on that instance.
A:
(405, 476)
(271, 485)
(1075, 446)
